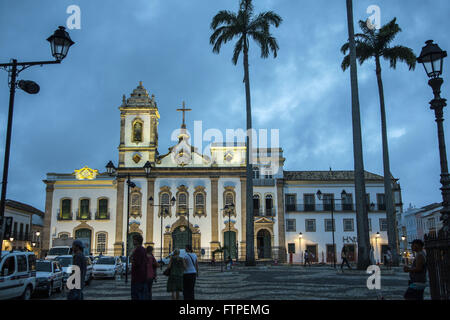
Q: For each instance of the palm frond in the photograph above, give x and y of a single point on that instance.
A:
(404, 54)
(247, 6)
(387, 34)
(345, 63)
(223, 17)
(264, 20)
(224, 36)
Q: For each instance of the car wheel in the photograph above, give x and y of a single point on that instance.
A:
(26, 294)
(50, 290)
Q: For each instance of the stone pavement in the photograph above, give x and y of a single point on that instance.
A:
(268, 282)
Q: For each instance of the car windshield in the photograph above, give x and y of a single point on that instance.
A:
(43, 266)
(106, 261)
(65, 262)
(58, 251)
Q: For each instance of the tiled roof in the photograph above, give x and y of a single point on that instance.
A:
(328, 175)
(24, 207)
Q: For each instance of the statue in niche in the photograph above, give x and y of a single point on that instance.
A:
(137, 132)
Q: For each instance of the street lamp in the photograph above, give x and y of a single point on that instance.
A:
(343, 198)
(300, 236)
(172, 202)
(432, 58)
(60, 43)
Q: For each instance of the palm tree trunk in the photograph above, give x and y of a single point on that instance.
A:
(390, 210)
(250, 242)
(362, 221)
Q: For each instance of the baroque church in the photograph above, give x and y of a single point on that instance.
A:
(186, 197)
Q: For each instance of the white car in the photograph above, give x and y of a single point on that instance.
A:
(49, 277)
(107, 267)
(124, 264)
(58, 251)
(66, 263)
(17, 274)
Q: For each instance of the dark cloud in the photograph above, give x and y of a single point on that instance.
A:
(74, 120)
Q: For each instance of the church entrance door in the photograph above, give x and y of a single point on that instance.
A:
(85, 236)
(180, 237)
(230, 238)
(264, 246)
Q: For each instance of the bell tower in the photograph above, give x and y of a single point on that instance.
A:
(138, 128)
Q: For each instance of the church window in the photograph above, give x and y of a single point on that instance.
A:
(256, 205)
(199, 203)
(182, 203)
(101, 242)
(136, 204)
(256, 173)
(165, 206)
(137, 131)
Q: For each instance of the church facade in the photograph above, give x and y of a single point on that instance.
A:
(187, 197)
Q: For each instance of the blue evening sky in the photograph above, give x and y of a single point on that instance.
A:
(74, 120)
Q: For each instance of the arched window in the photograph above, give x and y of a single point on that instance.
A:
(269, 206)
(182, 200)
(137, 130)
(63, 235)
(66, 209)
(84, 213)
(101, 242)
(199, 202)
(229, 198)
(102, 210)
(256, 205)
(136, 203)
(165, 206)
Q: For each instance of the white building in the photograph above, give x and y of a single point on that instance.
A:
(93, 206)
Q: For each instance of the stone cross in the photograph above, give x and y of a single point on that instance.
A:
(184, 110)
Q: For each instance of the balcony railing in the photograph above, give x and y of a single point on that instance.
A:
(102, 215)
(268, 212)
(263, 182)
(320, 207)
(83, 215)
(66, 216)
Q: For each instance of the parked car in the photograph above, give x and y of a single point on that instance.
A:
(17, 274)
(49, 277)
(67, 261)
(107, 267)
(58, 251)
(166, 260)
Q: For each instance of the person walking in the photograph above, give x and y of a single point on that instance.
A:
(417, 272)
(344, 259)
(190, 273)
(389, 258)
(372, 256)
(152, 266)
(138, 270)
(79, 260)
(306, 256)
(177, 265)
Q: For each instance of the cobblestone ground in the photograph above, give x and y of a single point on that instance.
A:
(266, 283)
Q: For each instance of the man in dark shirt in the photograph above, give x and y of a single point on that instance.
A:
(79, 260)
(138, 270)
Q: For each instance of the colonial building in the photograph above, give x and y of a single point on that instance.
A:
(24, 219)
(190, 197)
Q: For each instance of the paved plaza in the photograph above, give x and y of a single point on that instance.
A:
(266, 283)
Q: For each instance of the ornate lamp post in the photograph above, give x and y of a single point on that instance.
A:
(229, 208)
(438, 251)
(172, 202)
(432, 58)
(343, 198)
(60, 43)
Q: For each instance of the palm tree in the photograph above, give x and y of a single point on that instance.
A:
(244, 25)
(362, 222)
(376, 44)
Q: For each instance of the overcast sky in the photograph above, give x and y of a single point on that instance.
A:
(74, 120)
